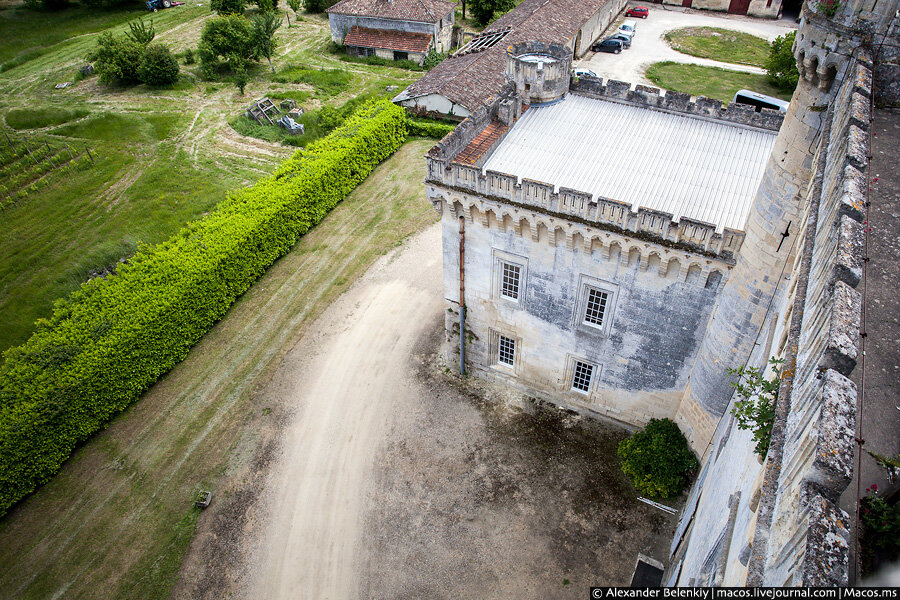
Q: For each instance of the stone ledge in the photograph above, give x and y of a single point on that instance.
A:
(859, 109)
(853, 194)
(849, 259)
(843, 329)
(827, 559)
(832, 468)
(857, 147)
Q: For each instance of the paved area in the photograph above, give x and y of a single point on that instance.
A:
(649, 46)
(877, 376)
(396, 480)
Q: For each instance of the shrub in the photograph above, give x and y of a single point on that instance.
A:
(140, 33)
(317, 6)
(880, 536)
(111, 339)
(117, 59)
(433, 59)
(430, 129)
(227, 39)
(158, 66)
(228, 7)
(781, 66)
(267, 6)
(658, 460)
(755, 411)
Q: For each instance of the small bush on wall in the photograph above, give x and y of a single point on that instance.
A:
(658, 460)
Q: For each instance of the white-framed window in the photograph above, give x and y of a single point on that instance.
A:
(509, 277)
(506, 351)
(596, 305)
(582, 376)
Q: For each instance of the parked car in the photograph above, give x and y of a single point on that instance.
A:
(155, 5)
(580, 72)
(637, 11)
(608, 45)
(629, 27)
(626, 41)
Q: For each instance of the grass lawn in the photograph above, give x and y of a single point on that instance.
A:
(720, 44)
(117, 520)
(711, 82)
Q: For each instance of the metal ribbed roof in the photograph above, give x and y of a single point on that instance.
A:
(689, 167)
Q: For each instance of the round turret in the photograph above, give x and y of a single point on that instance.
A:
(540, 71)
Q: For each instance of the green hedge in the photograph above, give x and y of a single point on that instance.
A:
(430, 129)
(658, 460)
(109, 341)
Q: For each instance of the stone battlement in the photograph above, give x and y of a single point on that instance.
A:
(610, 214)
(676, 102)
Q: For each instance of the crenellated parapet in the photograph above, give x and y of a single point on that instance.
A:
(678, 263)
(676, 102)
(577, 206)
(539, 70)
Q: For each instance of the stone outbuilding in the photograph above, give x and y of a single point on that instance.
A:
(392, 29)
(476, 72)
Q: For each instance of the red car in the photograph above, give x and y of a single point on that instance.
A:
(637, 11)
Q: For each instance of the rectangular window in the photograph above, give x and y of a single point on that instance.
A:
(506, 351)
(509, 283)
(398, 55)
(581, 380)
(595, 307)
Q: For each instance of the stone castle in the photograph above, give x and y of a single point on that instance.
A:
(614, 250)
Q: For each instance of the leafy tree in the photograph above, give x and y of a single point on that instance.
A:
(317, 6)
(755, 411)
(240, 77)
(295, 6)
(140, 33)
(228, 7)
(117, 59)
(781, 66)
(158, 66)
(227, 39)
(483, 11)
(658, 459)
(267, 5)
(264, 27)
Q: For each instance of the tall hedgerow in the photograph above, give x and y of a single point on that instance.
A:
(110, 340)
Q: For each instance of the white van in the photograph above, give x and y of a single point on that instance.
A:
(628, 27)
(759, 101)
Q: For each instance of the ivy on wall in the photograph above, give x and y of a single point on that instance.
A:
(110, 340)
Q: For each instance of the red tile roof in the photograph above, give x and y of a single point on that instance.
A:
(423, 11)
(470, 80)
(482, 143)
(388, 39)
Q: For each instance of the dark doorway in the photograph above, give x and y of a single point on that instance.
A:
(790, 10)
(739, 7)
(686, 3)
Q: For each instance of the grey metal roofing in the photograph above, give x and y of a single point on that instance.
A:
(687, 166)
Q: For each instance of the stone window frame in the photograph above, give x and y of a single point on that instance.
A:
(569, 381)
(585, 285)
(499, 258)
(494, 351)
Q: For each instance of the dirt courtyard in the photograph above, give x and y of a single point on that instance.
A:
(392, 479)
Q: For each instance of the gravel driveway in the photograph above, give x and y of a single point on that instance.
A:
(649, 46)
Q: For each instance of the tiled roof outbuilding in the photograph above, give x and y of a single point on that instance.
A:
(388, 39)
(470, 80)
(423, 11)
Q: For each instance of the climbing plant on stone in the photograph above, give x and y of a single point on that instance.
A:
(755, 411)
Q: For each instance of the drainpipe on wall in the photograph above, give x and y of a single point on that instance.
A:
(462, 296)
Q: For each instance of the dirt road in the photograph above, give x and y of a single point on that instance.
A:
(396, 481)
(344, 385)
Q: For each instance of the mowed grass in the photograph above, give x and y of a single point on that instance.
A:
(711, 82)
(29, 33)
(117, 521)
(720, 44)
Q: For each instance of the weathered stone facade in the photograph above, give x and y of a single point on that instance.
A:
(788, 528)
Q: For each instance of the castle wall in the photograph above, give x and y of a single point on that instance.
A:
(787, 528)
(660, 301)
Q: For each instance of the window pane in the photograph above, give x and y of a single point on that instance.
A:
(506, 351)
(583, 375)
(595, 308)
(509, 284)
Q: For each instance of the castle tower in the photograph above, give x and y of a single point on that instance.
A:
(739, 322)
(540, 71)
